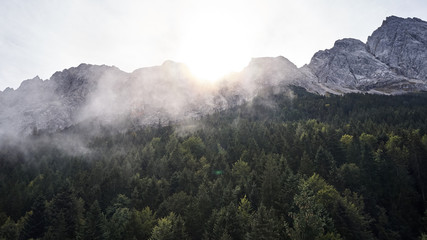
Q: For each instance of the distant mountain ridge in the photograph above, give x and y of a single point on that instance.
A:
(393, 61)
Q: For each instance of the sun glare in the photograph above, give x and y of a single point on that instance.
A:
(216, 42)
(215, 64)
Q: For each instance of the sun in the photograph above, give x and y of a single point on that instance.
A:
(216, 42)
(213, 64)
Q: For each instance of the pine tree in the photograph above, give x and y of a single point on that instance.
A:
(325, 164)
(265, 225)
(310, 220)
(270, 182)
(95, 227)
(306, 165)
(35, 226)
(170, 228)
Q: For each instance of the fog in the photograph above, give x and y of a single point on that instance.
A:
(87, 98)
(162, 93)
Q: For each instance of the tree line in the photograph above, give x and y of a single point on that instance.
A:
(284, 166)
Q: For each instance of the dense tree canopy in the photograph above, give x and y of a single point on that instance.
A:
(306, 167)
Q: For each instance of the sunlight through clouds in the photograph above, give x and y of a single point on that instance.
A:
(212, 38)
(217, 39)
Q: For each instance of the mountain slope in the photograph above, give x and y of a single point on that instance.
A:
(393, 61)
(402, 45)
(348, 66)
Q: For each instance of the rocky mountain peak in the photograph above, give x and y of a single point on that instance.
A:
(349, 44)
(270, 61)
(30, 84)
(395, 19)
(8, 89)
(348, 66)
(401, 43)
(270, 71)
(173, 65)
(393, 61)
(167, 68)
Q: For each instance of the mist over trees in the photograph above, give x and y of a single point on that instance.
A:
(280, 167)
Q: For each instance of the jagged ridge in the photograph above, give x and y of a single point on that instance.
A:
(393, 61)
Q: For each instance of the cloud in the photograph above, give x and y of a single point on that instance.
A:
(40, 37)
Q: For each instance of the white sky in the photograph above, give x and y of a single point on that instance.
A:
(39, 37)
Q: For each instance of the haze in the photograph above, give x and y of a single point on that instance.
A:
(212, 37)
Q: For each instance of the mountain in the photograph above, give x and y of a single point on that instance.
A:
(349, 67)
(393, 61)
(105, 94)
(402, 45)
(51, 104)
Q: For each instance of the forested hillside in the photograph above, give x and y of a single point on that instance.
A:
(286, 166)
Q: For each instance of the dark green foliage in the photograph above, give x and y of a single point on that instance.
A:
(95, 223)
(141, 224)
(170, 228)
(63, 214)
(324, 163)
(9, 230)
(309, 220)
(36, 223)
(306, 167)
(265, 225)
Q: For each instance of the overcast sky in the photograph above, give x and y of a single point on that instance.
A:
(39, 37)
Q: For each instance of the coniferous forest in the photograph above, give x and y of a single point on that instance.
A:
(285, 166)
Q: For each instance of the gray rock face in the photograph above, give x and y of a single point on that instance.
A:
(51, 104)
(149, 95)
(349, 66)
(264, 76)
(392, 62)
(402, 45)
(261, 73)
(106, 95)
